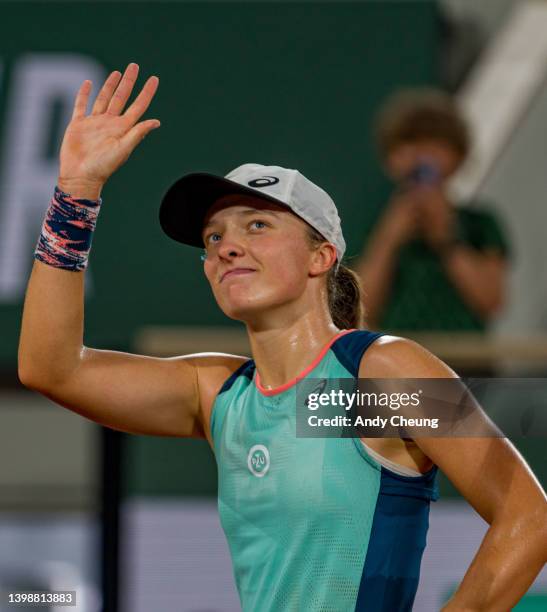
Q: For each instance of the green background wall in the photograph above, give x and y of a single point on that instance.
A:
(273, 83)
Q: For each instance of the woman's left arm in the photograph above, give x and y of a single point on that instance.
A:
(493, 477)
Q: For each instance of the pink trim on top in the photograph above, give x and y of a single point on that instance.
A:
(304, 372)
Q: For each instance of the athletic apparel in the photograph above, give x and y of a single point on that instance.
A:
(422, 296)
(394, 467)
(67, 232)
(313, 524)
(185, 205)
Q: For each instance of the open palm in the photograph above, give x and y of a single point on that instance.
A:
(95, 145)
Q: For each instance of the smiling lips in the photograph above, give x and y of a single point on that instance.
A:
(236, 272)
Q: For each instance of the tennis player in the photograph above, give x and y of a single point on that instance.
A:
(312, 524)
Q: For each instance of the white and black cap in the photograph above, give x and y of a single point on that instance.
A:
(185, 205)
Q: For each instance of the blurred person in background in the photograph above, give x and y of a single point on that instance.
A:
(429, 265)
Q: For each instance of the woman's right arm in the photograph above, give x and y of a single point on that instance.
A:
(128, 392)
(132, 393)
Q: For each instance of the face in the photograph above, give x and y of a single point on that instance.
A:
(406, 156)
(257, 256)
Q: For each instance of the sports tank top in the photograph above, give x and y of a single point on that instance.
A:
(313, 524)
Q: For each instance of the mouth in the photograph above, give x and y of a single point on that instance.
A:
(236, 272)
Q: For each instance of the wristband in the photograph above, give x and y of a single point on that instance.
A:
(67, 232)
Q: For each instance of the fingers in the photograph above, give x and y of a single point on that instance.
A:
(114, 94)
(123, 91)
(105, 95)
(80, 104)
(138, 132)
(142, 101)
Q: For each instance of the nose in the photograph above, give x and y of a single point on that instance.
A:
(231, 246)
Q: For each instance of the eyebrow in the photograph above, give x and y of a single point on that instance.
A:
(248, 212)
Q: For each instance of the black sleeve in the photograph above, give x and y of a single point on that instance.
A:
(485, 230)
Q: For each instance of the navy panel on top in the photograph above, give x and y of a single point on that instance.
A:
(401, 517)
(398, 537)
(350, 348)
(245, 369)
(422, 487)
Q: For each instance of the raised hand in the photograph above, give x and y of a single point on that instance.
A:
(437, 217)
(400, 221)
(96, 145)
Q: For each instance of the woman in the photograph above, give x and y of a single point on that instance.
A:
(318, 524)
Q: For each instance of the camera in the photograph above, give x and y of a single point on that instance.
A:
(425, 172)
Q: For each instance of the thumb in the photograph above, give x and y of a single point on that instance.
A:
(138, 132)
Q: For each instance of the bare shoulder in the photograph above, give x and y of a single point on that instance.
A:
(212, 371)
(391, 357)
(397, 357)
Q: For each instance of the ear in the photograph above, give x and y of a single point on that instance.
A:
(323, 259)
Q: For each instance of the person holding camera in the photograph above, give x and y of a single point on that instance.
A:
(428, 264)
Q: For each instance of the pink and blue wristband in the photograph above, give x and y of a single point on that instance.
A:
(67, 232)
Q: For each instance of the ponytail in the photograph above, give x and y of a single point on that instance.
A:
(345, 303)
(344, 291)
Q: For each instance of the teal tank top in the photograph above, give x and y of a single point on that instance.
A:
(313, 524)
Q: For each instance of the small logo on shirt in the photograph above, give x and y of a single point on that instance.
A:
(258, 460)
(264, 181)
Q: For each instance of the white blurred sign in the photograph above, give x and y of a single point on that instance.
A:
(38, 83)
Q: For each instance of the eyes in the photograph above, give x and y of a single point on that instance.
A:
(253, 226)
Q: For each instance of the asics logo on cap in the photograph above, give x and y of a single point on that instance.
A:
(263, 181)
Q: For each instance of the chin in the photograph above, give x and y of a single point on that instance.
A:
(242, 312)
(241, 307)
(245, 307)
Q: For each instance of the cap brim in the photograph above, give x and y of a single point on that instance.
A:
(185, 205)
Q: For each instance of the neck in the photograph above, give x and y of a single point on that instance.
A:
(282, 349)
